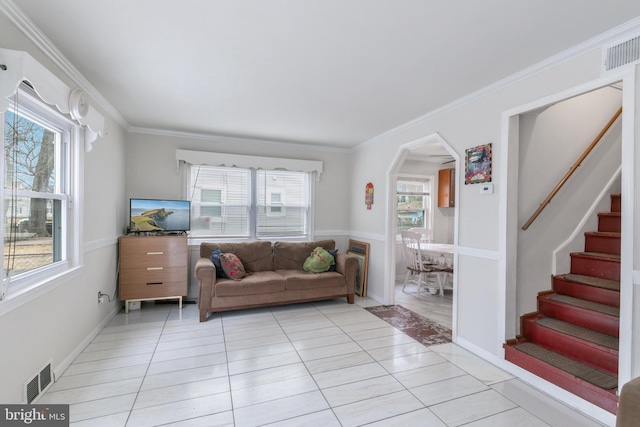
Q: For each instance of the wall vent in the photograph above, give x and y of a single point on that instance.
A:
(621, 54)
(38, 384)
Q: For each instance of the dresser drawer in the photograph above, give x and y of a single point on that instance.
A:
(152, 258)
(167, 289)
(153, 267)
(154, 282)
(143, 252)
(131, 245)
(152, 275)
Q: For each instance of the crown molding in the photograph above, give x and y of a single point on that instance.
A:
(18, 66)
(35, 35)
(24, 24)
(628, 29)
(236, 140)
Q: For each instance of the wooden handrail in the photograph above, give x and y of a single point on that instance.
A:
(573, 169)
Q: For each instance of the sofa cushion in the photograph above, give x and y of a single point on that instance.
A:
(232, 266)
(262, 282)
(319, 261)
(301, 280)
(291, 255)
(215, 259)
(334, 254)
(255, 256)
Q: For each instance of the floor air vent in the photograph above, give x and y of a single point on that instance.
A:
(621, 54)
(35, 386)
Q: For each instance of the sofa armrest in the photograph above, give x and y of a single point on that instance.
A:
(628, 407)
(205, 272)
(347, 266)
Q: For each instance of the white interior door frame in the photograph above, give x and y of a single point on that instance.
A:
(390, 229)
(509, 204)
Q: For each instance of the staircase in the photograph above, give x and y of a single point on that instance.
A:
(572, 340)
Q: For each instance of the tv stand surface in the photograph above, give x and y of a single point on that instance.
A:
(153, 268)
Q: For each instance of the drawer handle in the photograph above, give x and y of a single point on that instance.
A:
(154, 268)
(154, 283)
(155, 253)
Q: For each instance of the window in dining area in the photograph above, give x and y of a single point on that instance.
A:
(413, 202)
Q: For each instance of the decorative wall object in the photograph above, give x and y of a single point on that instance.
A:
(360, 250)
(478, 164)
(16, 66)
(368, 195)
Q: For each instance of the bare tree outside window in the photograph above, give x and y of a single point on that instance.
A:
(30, 160)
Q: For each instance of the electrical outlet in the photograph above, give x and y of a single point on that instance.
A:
(101, 297)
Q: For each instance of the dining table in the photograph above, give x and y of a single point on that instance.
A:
(440, 257)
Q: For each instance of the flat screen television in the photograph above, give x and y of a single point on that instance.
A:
(158, 215)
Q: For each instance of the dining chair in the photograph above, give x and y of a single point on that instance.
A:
(426, 234)
(418, 271)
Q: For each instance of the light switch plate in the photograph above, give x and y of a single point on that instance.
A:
(486, 189)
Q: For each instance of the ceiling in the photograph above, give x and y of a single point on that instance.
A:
(334, 73)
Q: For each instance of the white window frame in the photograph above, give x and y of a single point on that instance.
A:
(87, 124)
(253, 208)
(223, 197)
(68, 173)
(430, 191)
(280, 204)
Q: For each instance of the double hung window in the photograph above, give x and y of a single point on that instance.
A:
(413, 202)
(37, 190)
(249, 203)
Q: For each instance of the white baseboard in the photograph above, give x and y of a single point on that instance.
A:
(571, 400)
(62, 366)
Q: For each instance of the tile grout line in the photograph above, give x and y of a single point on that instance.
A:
(226, 357)
(335, 319)
(305, 365)
(133, 404)
(378, 363)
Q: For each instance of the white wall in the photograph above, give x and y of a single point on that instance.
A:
(551, 140)
(151, 172)
(474, 122)
(58, 324)
(630, 258)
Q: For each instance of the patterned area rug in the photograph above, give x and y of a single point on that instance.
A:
(417, 327)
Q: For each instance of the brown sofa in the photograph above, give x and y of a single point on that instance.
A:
(275, 276)
(629, 404)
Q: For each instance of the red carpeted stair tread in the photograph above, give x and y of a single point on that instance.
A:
(573, 367)
(603, 233)
(588, 305)
(597, 282)
(579, 332)
(600, 255)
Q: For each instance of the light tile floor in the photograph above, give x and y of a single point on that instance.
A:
(316, 364)
(434, 307)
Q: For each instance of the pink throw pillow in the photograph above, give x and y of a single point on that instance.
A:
(232, 266)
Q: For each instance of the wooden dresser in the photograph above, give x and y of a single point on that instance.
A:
(152, 268)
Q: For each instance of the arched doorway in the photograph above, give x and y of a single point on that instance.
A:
(435, 147)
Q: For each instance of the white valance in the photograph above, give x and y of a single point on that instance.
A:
(17, 66)
(249, 162)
